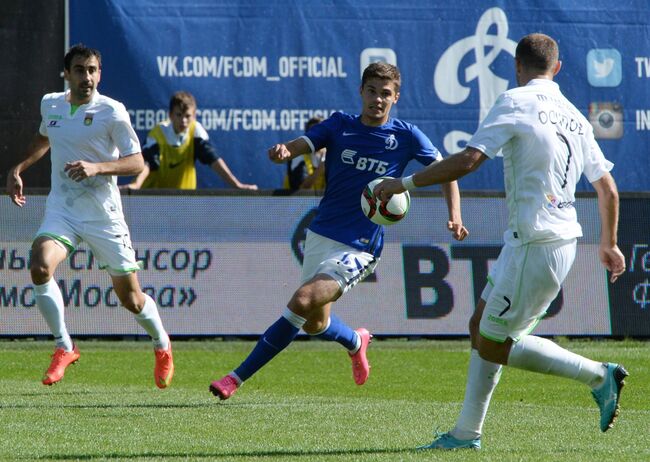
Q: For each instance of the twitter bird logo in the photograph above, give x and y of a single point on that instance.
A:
(604, 67)
(602, 70)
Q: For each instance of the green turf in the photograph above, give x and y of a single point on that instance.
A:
(304, 406)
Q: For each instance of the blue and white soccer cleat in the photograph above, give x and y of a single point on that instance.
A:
(608, 394)
(447, 442)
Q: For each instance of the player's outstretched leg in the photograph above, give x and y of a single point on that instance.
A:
(608, 394)
(360, 365)
(276, 338)
(448, 442)
(60, 360)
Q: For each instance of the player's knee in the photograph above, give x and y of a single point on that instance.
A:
(40, 273)
(486, 354)
(493, 351)
(302, 302)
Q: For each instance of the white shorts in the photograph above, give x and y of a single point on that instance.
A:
(521, 285)
(346, 265)
(108, 239)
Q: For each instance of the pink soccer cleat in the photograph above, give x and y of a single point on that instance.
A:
(225, 387)
(360, 366)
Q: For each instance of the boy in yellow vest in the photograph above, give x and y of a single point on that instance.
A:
(173, 147)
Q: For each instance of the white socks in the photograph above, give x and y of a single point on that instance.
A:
(50, 304)
(357, 345)
(295, 320)
(482, 378)
(538, 354)
(150, 321)
(531, 353)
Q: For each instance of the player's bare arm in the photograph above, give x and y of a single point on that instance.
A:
(128, 165)
(139, 179)
(35, 150)
(610, 255)
(220, 167)
(455, 224)
(449, 169)
(283, 152)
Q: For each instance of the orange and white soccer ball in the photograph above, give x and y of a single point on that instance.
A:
(384, 212)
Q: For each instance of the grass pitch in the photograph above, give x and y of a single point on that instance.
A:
(304, 406)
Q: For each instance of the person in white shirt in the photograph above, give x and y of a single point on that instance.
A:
(91, 142)
(547, 144)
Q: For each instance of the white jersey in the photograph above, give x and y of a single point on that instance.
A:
(99, 131)
(547, 145)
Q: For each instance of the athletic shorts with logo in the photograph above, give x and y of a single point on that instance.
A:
(109, 240)
(521, 285)
(346, 265)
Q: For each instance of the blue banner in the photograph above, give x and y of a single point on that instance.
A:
(260, 69)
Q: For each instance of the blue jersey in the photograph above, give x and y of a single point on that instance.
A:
(356, 155)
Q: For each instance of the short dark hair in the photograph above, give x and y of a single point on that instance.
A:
(80, 50)
(183, 100)
(382, 71)
(313, 121)
(537, 51)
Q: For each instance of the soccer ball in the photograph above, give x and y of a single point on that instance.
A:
(384, 212)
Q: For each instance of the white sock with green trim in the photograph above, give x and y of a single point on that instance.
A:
(149, 319)
(50, 304)
(538, 354)
(482, 378)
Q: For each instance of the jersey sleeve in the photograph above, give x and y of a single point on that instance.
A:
(320, 134)
(496, 129)
(123, 134)
(204, 151)
(424, 151)
(42, 129)
(596, 165)
(151, 152)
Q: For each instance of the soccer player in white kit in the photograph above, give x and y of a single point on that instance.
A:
(547, 145)
(91, 142)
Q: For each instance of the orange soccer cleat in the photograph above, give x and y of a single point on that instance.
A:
(164, 370)
(60, 360)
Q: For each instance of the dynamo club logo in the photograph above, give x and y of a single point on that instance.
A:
(445, 78)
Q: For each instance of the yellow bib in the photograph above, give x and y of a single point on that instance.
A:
(177, 169)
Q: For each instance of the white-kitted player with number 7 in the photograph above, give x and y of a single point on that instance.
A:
(547, 145)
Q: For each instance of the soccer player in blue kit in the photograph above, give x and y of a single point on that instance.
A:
(342, 246)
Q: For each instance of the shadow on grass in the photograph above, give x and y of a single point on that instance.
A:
(45, 390)
(105, 406)
(229, 455)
